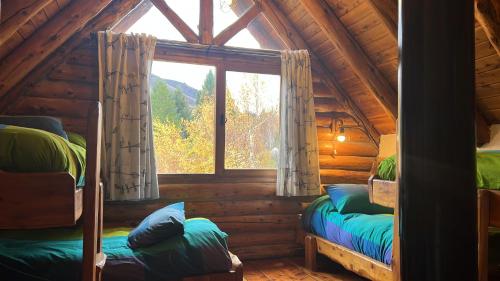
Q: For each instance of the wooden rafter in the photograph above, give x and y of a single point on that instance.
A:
(46, 40)
(10, 26)
(238, 25)
(366, 70)
(106, 19)
(487, 13)
(293, 40)
(206, 21)
(176, 21)
(388, 13)
(132, 17)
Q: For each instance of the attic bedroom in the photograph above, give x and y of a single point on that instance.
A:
(231, 140)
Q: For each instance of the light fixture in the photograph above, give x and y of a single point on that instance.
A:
(341, 135)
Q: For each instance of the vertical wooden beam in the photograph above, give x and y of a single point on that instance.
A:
(483, 223)
(438, 195)
(17, 20)
(220, 118)
(488, 15)
(293, 40)
(206, 25)
(387, 10)
(176, 21)
(359, 61)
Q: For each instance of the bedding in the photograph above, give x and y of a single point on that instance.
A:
(46, 123)
(55, 254)
(354, 198)
(370, 235)
(487, 164)
(31, 150)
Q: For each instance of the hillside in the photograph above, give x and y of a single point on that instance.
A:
(189, 92)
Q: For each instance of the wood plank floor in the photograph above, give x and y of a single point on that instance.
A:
(292, 269)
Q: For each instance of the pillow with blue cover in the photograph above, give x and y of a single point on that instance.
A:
(46, 123)
(158, 226)
(354, 198)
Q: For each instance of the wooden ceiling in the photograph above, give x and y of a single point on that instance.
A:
(353, 45)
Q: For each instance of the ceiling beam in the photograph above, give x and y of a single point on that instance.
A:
(206, 23)
(238, 25)
(105, 20)
(46, 40)
(131, 18)
(387, 10)
(11, 25)
(359, 61)
(487, 13)
(293, 40)
(176, 21)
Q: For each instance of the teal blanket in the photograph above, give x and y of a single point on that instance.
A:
(56, 254)
(487, 164)
(31, 150)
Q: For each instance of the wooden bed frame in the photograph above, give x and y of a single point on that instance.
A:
(43, 200)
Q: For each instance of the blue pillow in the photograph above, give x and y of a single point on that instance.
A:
(354, 198)
(46, 123)
(158, 226)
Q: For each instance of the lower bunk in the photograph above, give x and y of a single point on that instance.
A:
(200, 253)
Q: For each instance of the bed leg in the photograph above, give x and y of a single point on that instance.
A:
(483, 212)
(311, 249)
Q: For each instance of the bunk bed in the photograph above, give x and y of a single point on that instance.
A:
(384, 191)
(52, 199)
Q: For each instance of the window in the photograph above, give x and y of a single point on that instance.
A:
(183, 110)
(252, 126)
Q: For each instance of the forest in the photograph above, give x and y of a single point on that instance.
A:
(184, 134)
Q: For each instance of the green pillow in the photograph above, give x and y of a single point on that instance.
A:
(77, 139)
(387, 168)
(354, 198)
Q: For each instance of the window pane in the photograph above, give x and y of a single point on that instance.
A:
(156, 24)
(183, 109)
(223, 15)
(188, 11)
(252, 127)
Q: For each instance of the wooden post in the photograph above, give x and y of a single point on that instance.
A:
(483, 221)
(311, 249)
(206, 23)
(437, 196)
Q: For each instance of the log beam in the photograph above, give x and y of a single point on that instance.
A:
(387, 10)
(206, 21)
(487, 13)
(46, 40)
(106, 19)
(238, 25)
(293, 40)
(367, 71)
(176, 21)
(132, 17)
(17, 20)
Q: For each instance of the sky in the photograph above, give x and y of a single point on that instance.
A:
(156, 24)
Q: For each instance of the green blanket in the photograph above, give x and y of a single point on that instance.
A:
(487, 162)
(31, 150)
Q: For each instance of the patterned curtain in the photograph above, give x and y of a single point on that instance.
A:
(128, 160)
(298, 165)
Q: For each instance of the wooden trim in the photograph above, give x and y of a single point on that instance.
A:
(46, 40)
(233, 58)
(293, 40)
(206, 26)
(387, 11)
(91, 197)
(230, 176)
(220, 119)
(176, 21)
(238, 25)
(16, 21)
(132, 17)
(351, 260)
(487, 13)
(360, 62)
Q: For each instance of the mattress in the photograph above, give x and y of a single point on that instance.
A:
(27, 150)
(56, 254)
(370, 235)
(487, 163)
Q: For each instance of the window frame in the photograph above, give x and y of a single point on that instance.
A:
(223, 59)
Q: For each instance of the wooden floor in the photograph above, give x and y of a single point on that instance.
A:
(292, 269)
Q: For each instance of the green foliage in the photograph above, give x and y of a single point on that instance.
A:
(168, 106)
(208, 88)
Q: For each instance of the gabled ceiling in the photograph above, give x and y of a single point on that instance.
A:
(352, 42)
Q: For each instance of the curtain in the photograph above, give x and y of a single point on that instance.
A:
(128, 160)
(298, 165)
